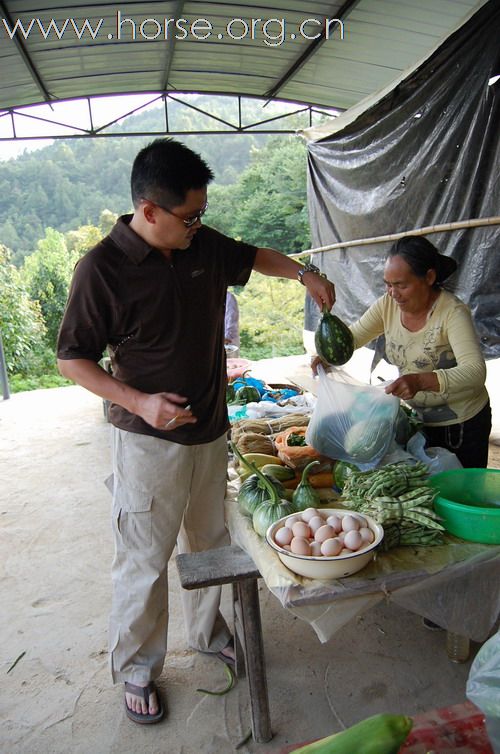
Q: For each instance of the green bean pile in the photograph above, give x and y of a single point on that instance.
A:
(398, 497)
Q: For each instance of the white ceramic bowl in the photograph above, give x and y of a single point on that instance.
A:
(327, 567)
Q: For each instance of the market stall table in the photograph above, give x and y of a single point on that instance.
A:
(456, 585)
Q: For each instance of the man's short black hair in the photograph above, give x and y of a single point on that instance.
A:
(165, 170)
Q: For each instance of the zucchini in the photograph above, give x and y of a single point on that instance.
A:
(281, 472)
(379, 734)
(262, 459)
(333, 340)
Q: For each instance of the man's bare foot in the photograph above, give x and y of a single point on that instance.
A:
(228, 651)
(138, 704)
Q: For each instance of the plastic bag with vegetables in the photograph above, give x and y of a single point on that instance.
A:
(354, 423)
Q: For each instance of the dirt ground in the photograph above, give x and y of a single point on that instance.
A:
(56, 695)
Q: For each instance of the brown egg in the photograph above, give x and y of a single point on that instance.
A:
(315, 522)
(353, 540)
(349, 523)
(335, 522)
(366, 535)
(316, 549)
(283, 536)
(331, 547)
(301, 529)
(324, 532)
(300, 546)
(308, 514)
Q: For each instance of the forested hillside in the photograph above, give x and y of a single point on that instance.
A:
(59, 201)
(70, 183)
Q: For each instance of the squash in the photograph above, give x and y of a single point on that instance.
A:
(365, 440)
(274, 506)
(305, 496)
(379, 734)
(253, 492)
(333, 340)
(269, 512)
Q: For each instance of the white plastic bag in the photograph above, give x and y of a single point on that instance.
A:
(483, 687)
(354, 423)
(437, 459)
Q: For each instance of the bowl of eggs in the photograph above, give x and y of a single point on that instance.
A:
(325, 543)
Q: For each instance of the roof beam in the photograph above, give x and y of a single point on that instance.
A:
(341, 14)
(21, 47)
(179, 6)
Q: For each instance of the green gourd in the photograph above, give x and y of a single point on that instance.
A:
(274, 506)
(333, 340)
(269, 512)
(379, 734)
(253, 492)
(305, 496)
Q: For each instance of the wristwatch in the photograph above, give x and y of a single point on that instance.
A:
(307, 268)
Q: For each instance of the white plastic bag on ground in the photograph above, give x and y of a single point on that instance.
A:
(483, 687)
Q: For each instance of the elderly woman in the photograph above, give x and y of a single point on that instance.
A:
(430, 337)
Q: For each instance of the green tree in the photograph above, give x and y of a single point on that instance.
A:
(267, 206)
(271, 317)
(106, 221)
(81, 240)
(21, 322)
(47, 273)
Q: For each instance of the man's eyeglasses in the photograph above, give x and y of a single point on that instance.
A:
(188, 221)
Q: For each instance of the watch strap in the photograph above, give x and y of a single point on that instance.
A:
(308, 267)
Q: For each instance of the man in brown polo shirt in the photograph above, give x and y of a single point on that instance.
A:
(153, 293)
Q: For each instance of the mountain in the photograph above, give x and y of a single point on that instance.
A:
(69, 183)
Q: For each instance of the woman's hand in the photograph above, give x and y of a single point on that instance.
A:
(407, 386)
(316, 361)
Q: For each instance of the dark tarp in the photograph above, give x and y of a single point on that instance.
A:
(427, 153)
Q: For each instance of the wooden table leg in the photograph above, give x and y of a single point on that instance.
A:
(239, 638)
(248, 597)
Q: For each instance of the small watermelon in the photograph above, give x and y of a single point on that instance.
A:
(333, 340)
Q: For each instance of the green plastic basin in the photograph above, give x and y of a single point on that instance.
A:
(469, 503)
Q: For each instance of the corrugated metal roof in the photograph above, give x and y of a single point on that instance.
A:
(68, 49)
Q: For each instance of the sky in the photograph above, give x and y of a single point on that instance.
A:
(30, 121)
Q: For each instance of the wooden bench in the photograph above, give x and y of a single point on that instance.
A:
(232, 565)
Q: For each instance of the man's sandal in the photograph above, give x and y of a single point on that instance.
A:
(144, 692)
(221, 656)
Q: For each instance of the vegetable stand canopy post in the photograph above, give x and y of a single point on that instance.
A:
(455, 584)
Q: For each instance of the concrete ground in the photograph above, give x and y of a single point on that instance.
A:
(55, 591)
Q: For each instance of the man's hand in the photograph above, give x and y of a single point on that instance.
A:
(272, 262)
(165, 411)
(320, 289)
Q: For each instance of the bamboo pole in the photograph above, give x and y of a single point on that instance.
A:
(460, 224)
